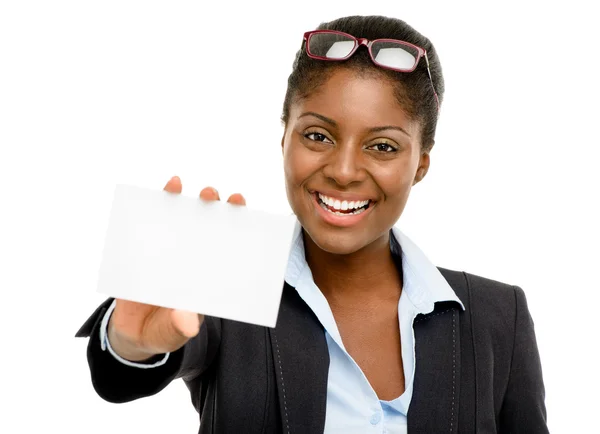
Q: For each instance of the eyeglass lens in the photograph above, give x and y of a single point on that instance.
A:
(385, 53)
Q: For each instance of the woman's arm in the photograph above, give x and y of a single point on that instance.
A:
(523, 409)
(117, 382)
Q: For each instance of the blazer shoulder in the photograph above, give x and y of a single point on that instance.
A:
(470, 286)
(490, 304)
(490, 316)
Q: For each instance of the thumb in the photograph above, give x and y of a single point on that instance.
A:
(186, 323)
(169, 329)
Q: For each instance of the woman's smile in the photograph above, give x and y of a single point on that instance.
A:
(341, 209)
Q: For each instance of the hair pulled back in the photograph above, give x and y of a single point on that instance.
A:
(412, 90)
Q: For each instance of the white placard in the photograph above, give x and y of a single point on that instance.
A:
(207, 257)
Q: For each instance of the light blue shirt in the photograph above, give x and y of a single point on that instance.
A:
(352, 405)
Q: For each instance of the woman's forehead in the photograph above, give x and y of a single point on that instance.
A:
(347, 95)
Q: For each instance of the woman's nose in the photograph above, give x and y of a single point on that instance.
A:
(345, 165)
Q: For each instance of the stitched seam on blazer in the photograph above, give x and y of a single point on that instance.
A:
(469, 295)
(431, 316)
(453, 368)
(266, 412)
(453, 357)
(287, 422)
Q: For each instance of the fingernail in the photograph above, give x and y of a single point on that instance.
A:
(211, 189)
(215, 193)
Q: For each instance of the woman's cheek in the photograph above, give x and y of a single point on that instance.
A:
(301, 164)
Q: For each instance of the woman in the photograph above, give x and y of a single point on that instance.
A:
(371, 336)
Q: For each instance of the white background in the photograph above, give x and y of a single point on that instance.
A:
(98, 93)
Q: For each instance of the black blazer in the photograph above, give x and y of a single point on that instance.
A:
(477, 371)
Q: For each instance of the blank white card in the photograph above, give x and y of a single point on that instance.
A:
(181, 252)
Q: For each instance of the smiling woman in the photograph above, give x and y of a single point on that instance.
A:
(351, 141)
(371, 336)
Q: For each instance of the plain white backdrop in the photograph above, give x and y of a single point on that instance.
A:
(98, 93)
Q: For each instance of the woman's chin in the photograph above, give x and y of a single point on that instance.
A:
(338, 244)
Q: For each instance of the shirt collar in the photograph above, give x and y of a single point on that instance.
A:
(422, 281)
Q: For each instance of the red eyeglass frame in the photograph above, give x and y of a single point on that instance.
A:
(367, 43)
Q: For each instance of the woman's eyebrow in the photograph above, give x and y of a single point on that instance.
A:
(388, 127)
(318, 116)
(335, 124)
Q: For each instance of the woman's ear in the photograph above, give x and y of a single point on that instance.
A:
(423, 168)
(283, 139)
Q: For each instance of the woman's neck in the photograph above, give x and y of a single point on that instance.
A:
(370, 271)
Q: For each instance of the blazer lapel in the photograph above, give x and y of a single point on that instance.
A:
(434, 404)
(301, 360)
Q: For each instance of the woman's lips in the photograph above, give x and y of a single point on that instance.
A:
(331, 209)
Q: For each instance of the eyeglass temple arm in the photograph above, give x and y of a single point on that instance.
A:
(437, 100)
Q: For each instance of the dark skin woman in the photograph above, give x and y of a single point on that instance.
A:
(358, 136)
(352, 140)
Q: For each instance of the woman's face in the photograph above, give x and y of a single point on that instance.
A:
(351, 156)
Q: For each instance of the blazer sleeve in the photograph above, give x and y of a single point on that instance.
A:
(523, 409)
(117, 382)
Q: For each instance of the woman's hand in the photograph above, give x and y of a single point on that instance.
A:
(138, 331)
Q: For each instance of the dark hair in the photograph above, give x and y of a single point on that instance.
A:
(413, 90)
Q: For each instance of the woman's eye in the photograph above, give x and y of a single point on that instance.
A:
(317, 137)
(383, 147)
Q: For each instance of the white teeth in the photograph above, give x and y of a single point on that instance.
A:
(358, 211)
(343, 205)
